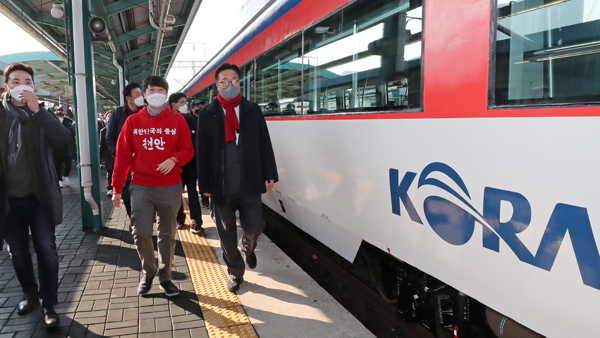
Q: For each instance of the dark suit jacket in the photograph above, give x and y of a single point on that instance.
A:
(48, 132)
(113, 128)
(192, 122)
(257, 162)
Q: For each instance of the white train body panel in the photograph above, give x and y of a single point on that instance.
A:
(335, 184)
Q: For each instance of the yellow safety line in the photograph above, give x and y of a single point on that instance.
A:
(224, 316)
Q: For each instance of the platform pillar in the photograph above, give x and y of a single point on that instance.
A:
(84, 90)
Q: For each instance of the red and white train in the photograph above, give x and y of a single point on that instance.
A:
(459, 137)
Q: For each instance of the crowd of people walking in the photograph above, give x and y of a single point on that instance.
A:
(152, 147)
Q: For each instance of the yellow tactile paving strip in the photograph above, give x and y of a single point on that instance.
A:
(224, 316)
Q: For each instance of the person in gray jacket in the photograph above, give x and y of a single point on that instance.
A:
(30, 190)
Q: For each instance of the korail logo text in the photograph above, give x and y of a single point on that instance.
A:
(456, 224)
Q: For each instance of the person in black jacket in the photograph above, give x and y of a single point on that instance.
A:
(107, 157)
(236, 164)
(192, 120)
(135, 100)
(62, 154)
(30, 189)
(189, 177)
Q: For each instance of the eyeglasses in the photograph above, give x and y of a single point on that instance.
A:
(226, 83)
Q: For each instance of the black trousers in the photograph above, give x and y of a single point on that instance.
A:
(189, 180)
(109, 164)
(27, 214)
(252, 222)
(62, 158)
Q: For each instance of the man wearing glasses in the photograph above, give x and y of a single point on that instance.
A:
(236, 164)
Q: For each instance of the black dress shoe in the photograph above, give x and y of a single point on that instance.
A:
(234, 283)
(196, 227)
(169, 288)
(51, 318)
(251, 260)
(27, 303)
(145, 285)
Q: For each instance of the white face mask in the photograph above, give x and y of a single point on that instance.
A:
(139, 101)
(184, 109)
(156, 100)
(15, 92)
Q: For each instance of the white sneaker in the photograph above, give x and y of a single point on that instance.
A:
(60, 183)
(66, 180)
(109, 193)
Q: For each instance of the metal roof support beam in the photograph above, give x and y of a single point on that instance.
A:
(160, 35)
(54, 79)
(44, 72)
(121, 6)
(191, 14)
(103, 52)
(49, 21)
(141, 75)
(134, 34)
(149, 48)
(138, 62)
(57, 67)
(105, 63)
(148, 59)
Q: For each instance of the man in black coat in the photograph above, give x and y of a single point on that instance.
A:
(107, 157)
(30, 189)
(189, 177)
(236, 164)
(135, 100)
(192, 120)
(62, 154)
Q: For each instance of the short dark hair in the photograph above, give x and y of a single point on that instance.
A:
(129, 88)
(59, 113)
(175, 97)
(17, 66)
(227, 66)
(155, 81)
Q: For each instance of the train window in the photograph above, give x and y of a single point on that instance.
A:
(365, 57)
(547, 51)
(278, 79)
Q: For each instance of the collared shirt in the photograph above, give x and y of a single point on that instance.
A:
(154, 115)
(131, 112)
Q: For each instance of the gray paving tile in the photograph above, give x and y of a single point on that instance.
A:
(99, 274)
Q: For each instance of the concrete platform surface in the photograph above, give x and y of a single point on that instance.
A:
(281, 300)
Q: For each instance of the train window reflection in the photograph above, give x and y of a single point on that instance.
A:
(547, 51)
(367, 57)
(278, 79)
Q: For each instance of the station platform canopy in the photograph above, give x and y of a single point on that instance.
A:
(50, 79)
(132, 39)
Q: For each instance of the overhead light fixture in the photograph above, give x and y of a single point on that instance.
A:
(57, 11)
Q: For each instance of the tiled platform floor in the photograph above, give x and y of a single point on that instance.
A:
(99, 274)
